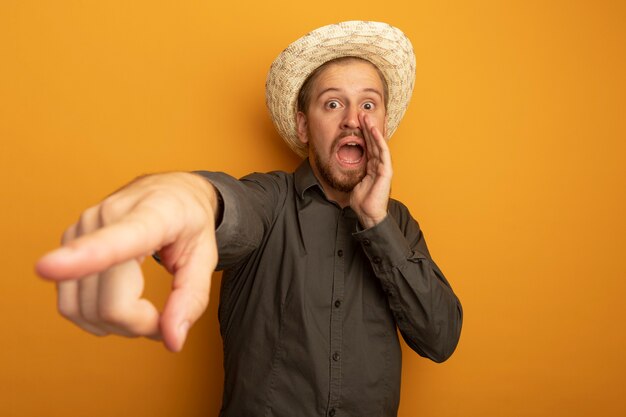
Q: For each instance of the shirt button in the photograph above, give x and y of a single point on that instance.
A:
(331, 412)
(336, 356)
(376, 260)
(337, 303)
(340, 253)
(366, 242)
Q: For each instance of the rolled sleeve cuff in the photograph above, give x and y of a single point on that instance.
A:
(234, 234)
(384, 245)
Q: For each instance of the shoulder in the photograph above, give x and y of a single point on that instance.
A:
(275, 177)
(274, 182)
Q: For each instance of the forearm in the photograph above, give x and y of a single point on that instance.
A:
(426, 310)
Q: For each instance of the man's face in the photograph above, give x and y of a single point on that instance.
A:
(331, 126)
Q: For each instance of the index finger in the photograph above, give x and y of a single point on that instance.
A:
(137, 234)
(375, 141)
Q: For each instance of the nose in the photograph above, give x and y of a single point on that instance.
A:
(351, 118)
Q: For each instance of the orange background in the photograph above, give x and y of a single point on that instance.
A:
(511, 155)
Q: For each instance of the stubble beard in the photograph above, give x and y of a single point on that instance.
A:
(340, 181)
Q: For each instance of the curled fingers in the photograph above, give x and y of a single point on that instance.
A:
(107, 301)
(72, 294)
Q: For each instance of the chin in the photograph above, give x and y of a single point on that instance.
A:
(346, 181)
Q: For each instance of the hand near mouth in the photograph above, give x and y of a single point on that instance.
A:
(369, 198)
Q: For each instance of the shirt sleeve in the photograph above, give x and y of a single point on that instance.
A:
(249, 206)
(426, 310)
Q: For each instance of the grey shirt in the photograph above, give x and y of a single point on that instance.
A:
(310, 301)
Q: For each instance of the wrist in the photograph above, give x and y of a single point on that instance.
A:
(209, 194)
(370, 221)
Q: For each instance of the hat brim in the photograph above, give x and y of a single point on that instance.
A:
(380, 43)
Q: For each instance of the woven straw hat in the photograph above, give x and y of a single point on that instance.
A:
(380, 43)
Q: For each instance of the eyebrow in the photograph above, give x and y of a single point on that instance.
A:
(366, 90)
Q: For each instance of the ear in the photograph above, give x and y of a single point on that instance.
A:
(302, 125)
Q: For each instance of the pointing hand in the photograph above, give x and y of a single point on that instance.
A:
(97, 269)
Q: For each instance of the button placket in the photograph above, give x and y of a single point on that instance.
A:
(336, 319)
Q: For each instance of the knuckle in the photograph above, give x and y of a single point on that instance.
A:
(68, 311)
(91, 328)
(89, 313)
(86, 222)
(67, 301)
(109, 211)
(113, 315)
(90, 316)
(69, 234)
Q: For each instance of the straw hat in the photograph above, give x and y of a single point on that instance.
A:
(380, 43)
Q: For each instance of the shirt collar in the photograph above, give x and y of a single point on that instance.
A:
(304, 178)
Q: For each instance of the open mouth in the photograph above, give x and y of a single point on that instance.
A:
(350, 153)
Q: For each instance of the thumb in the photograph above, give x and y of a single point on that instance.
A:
(189, 298)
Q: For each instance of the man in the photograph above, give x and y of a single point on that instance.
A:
(321, 266)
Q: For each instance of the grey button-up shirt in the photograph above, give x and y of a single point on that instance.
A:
(310, 301)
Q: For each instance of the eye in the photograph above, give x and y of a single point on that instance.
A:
(333, 104)
(368, 105)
